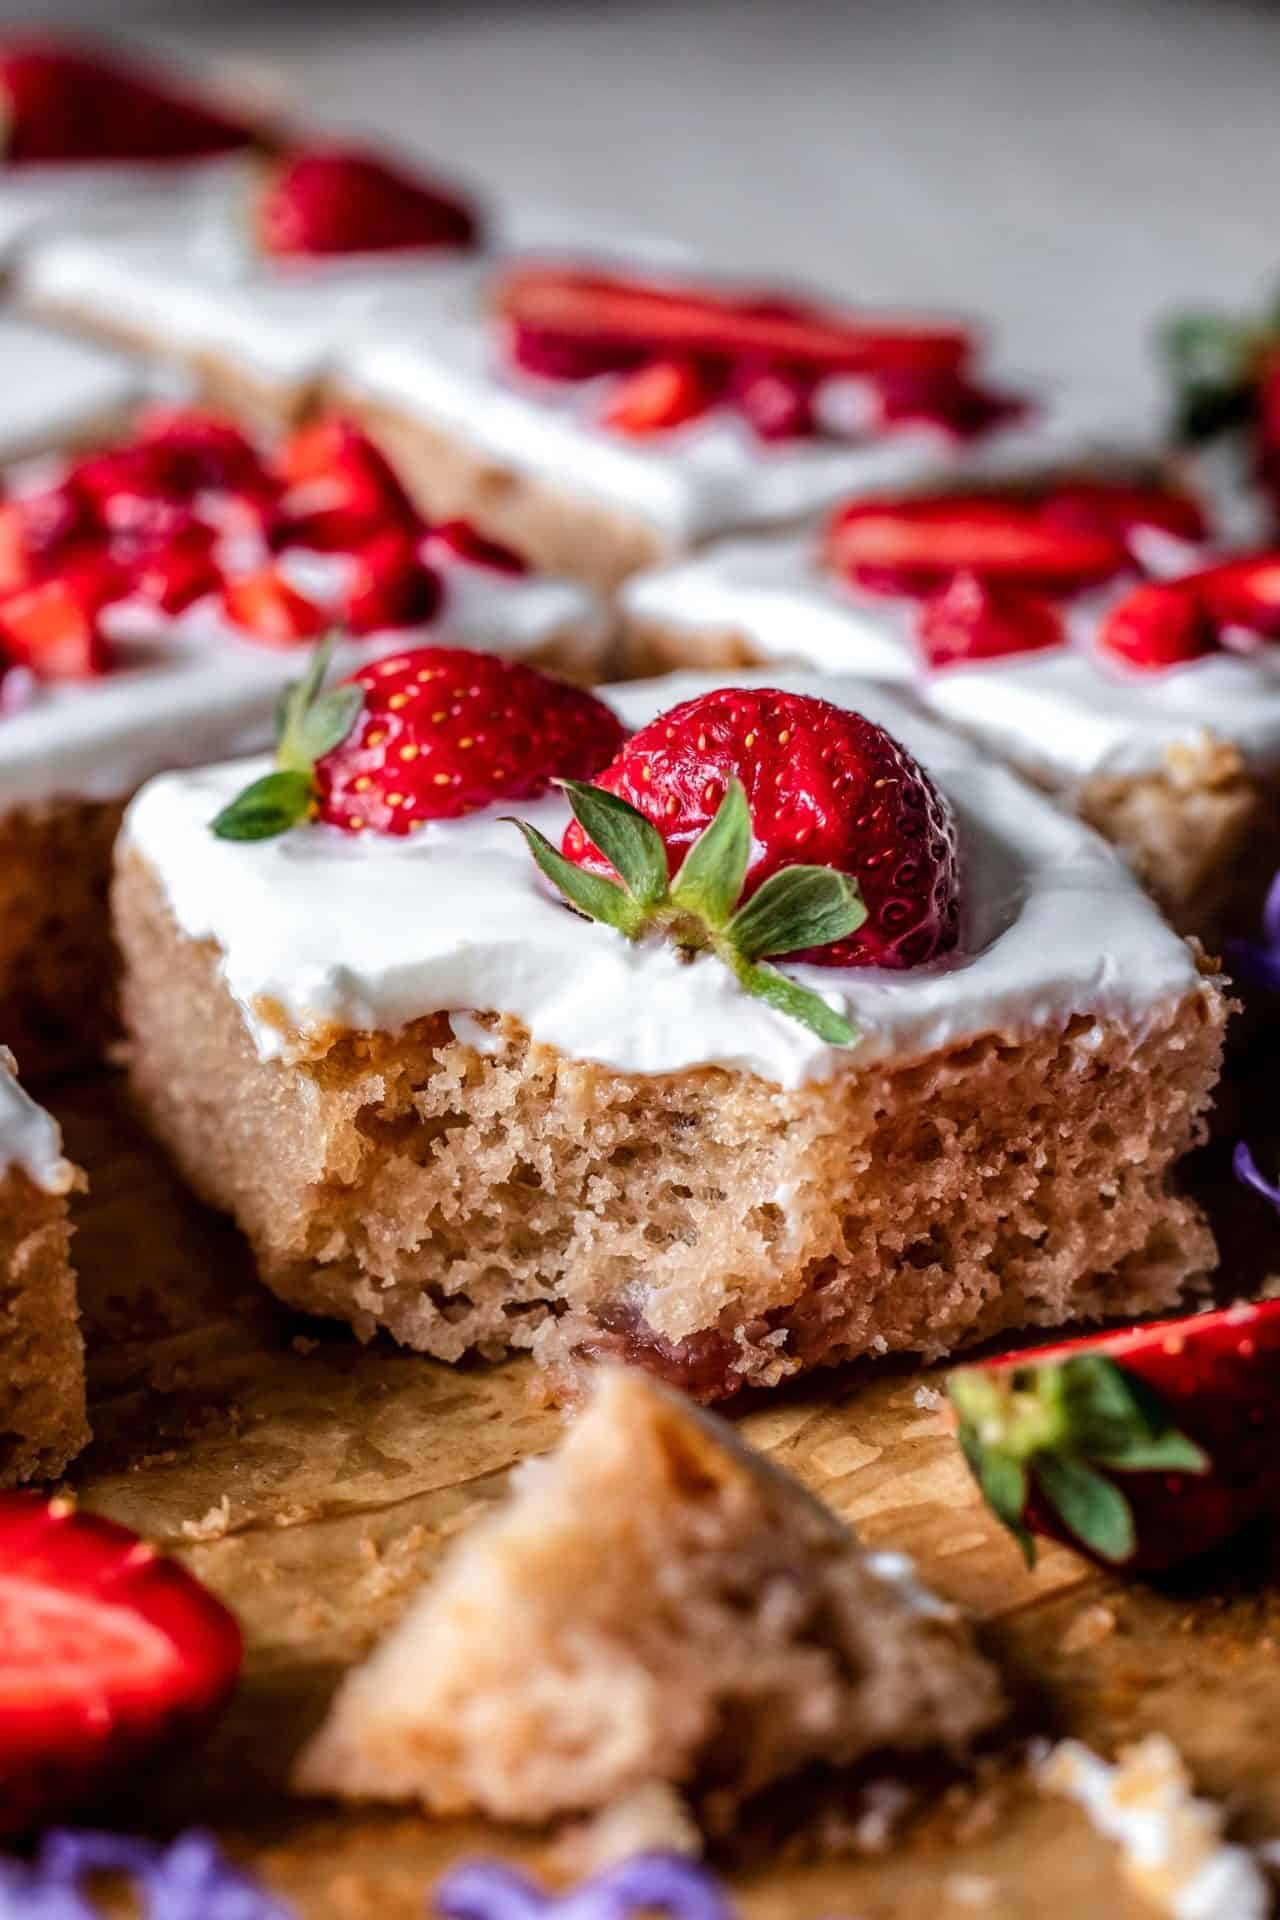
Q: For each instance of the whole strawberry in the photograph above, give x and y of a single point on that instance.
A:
(1140, 1449)
(430, 734)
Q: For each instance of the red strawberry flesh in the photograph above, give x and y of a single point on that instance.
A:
(335, 200)
(657, 397)
(971, 620)
(1101, 506)
(914, 546)
(60, 103)
(825, 787)
(1159, 625)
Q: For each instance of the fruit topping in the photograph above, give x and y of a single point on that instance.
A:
(195, 451)
(915, 545)
(954, 404)
(1141, 1448)
(332, 200)
(340, 490)
(974, 620)
(391, 585)
(58, 103)
(1233, 606)
(431, 734)
(658, 396)
(107, 1652)
(272, 611)
(54, 629)
(464, 542)
(1104, 506)
(173, 574)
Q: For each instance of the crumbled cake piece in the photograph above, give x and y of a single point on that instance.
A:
(655, 1604)
(42, 1402)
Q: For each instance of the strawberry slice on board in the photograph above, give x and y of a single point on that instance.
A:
(108, 1652)
(673, 320)
(325, 200)
(915, 545)
(974, 620)
(1141, 1449)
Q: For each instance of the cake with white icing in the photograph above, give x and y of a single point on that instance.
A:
(610, 422)
(156, 599)
(1147, 696)
(42, 1404)
(442, 1103)
(655, 1607)
(60, 392)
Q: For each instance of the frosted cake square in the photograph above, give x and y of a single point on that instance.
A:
(157, 597)
(608, 422)
(1087, 634)
(42, 1406)
(441, 1103)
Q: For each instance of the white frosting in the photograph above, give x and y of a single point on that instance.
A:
(372, 931)
(708, 477)
(1172, 1843)
(1062, 715)
(53, 388)
(29, 1137)
(43, 196)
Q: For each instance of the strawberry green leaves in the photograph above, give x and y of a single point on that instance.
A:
(1215, 362)
(1054, 1435)
(794, 909)
(309, 724)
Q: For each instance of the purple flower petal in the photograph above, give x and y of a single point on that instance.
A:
(25, 1894)
(1246, 1170)
(648, 1883)
(189, 1880)
(1257, 962)
(488, 1890)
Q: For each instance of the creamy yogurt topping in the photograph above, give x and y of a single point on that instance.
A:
(708, 477)
(29, 1137)
(54, 389)
(1062, 715)
(372, 931)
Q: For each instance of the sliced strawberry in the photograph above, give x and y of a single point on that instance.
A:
(466, 542)
(1141, 1449)
(61, 103)
(341, 490)
(1243, 593)
(1160, 625)
(657, 397)
(777, 402)
(430, 734)
(973, 620)
(391, 585)
(332, 200)
(202, 452)
(108, 1652)
(915, 545)
(1103, 506)
(174, 574)
(674, 320)
(53, 627)
(955, 405)
(269, 610)
(554, 356)
(16, 567)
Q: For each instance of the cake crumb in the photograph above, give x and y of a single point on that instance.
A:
(969, 1889)
(653, 1819)
(929, 1397)
(1088, 1629)
(214, 1525)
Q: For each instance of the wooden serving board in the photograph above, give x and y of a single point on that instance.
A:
(313, 1483)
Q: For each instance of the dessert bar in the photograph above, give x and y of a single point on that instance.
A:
(42, 1407)
(442, 1103)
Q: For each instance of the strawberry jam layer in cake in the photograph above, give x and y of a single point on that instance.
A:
(1084, 632)
(42, 1408)
(258, 279)
(155, 599)
(785, 1029)
(608, 422)
(83, 134)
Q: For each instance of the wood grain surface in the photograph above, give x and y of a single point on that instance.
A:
(313, 1483)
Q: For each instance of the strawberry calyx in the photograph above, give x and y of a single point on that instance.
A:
(700, 910)
(1051, 1434)
(310, 722)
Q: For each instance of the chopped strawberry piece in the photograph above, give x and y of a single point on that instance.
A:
(954, 405)
(58, 103)
(269, 610)
(1243, 593)
(201, 452)
(108, 1653)
(391, 585)
(554, 356)
(1102, 506)
(341, 490)
(175, 573)
(53, 627)
(466, 542)
(914, 546)
(16, 568)
(674, 320)
(1162, 624)
(825, 787)
(657, 397)
(332, 200)
(775, 401)
(56, 521)
(973, 620)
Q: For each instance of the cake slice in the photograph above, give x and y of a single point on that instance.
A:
(156, 598)
(441, 1103)
(655, 1604)
(42, 1406)
(608, 421)
(1085, 633)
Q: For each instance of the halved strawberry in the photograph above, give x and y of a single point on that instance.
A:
(915, 545)
(657, 397)
(391, 585)
(328, 199)
(108, 1652)
(1243, 593)
(974, 620)
(1159, 625)
(1104, 506)
(58, 102)
(1142, 1448)
(676, 320)
(269, 610)
(466, 542)
(54, 626)
(341, 490)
